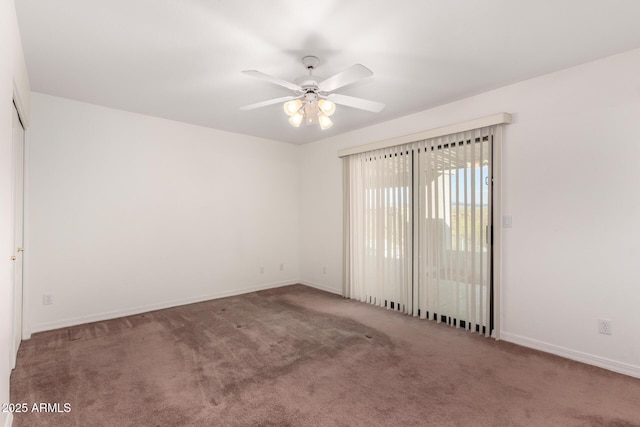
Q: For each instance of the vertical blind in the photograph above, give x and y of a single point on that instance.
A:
(380, 215)
(418, 228)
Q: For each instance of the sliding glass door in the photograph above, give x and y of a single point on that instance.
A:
(419, 228)
(453, 223)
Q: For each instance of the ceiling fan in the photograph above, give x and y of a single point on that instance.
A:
(313, 102)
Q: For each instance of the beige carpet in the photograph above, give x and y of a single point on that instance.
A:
(296, 356)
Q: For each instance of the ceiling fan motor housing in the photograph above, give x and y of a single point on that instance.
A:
(311, 97)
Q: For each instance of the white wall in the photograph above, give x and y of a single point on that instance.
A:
(571, 179)
(129, 212)
(13, 81)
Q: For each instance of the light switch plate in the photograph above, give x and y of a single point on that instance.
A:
(506, 221)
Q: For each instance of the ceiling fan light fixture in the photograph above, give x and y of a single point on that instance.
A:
(296, 119)
(292, 107)
(324, 121)
(327, 107)
(310, 112)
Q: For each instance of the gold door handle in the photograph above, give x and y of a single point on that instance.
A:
(20, 249)
(13, 258)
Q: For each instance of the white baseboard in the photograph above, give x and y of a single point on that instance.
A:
(321, 287)
(589, 359)
(8, 422)
(63, 323)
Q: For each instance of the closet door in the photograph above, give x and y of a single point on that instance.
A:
(18, 235)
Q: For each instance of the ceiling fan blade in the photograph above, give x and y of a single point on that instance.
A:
(351, 101)
(343, 78)
(274, 80)
(269, 102)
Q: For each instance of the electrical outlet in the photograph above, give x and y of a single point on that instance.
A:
(605, 326)
(324, 270)
(261, 270)
(281, 267)
(47, 299)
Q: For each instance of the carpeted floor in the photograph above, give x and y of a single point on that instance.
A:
(296, 356)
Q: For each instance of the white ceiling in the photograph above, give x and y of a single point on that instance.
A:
(181, 59)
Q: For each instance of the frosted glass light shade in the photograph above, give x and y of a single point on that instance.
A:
(292, 107)
(296, 119)
(327, 107)
(324, 121)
